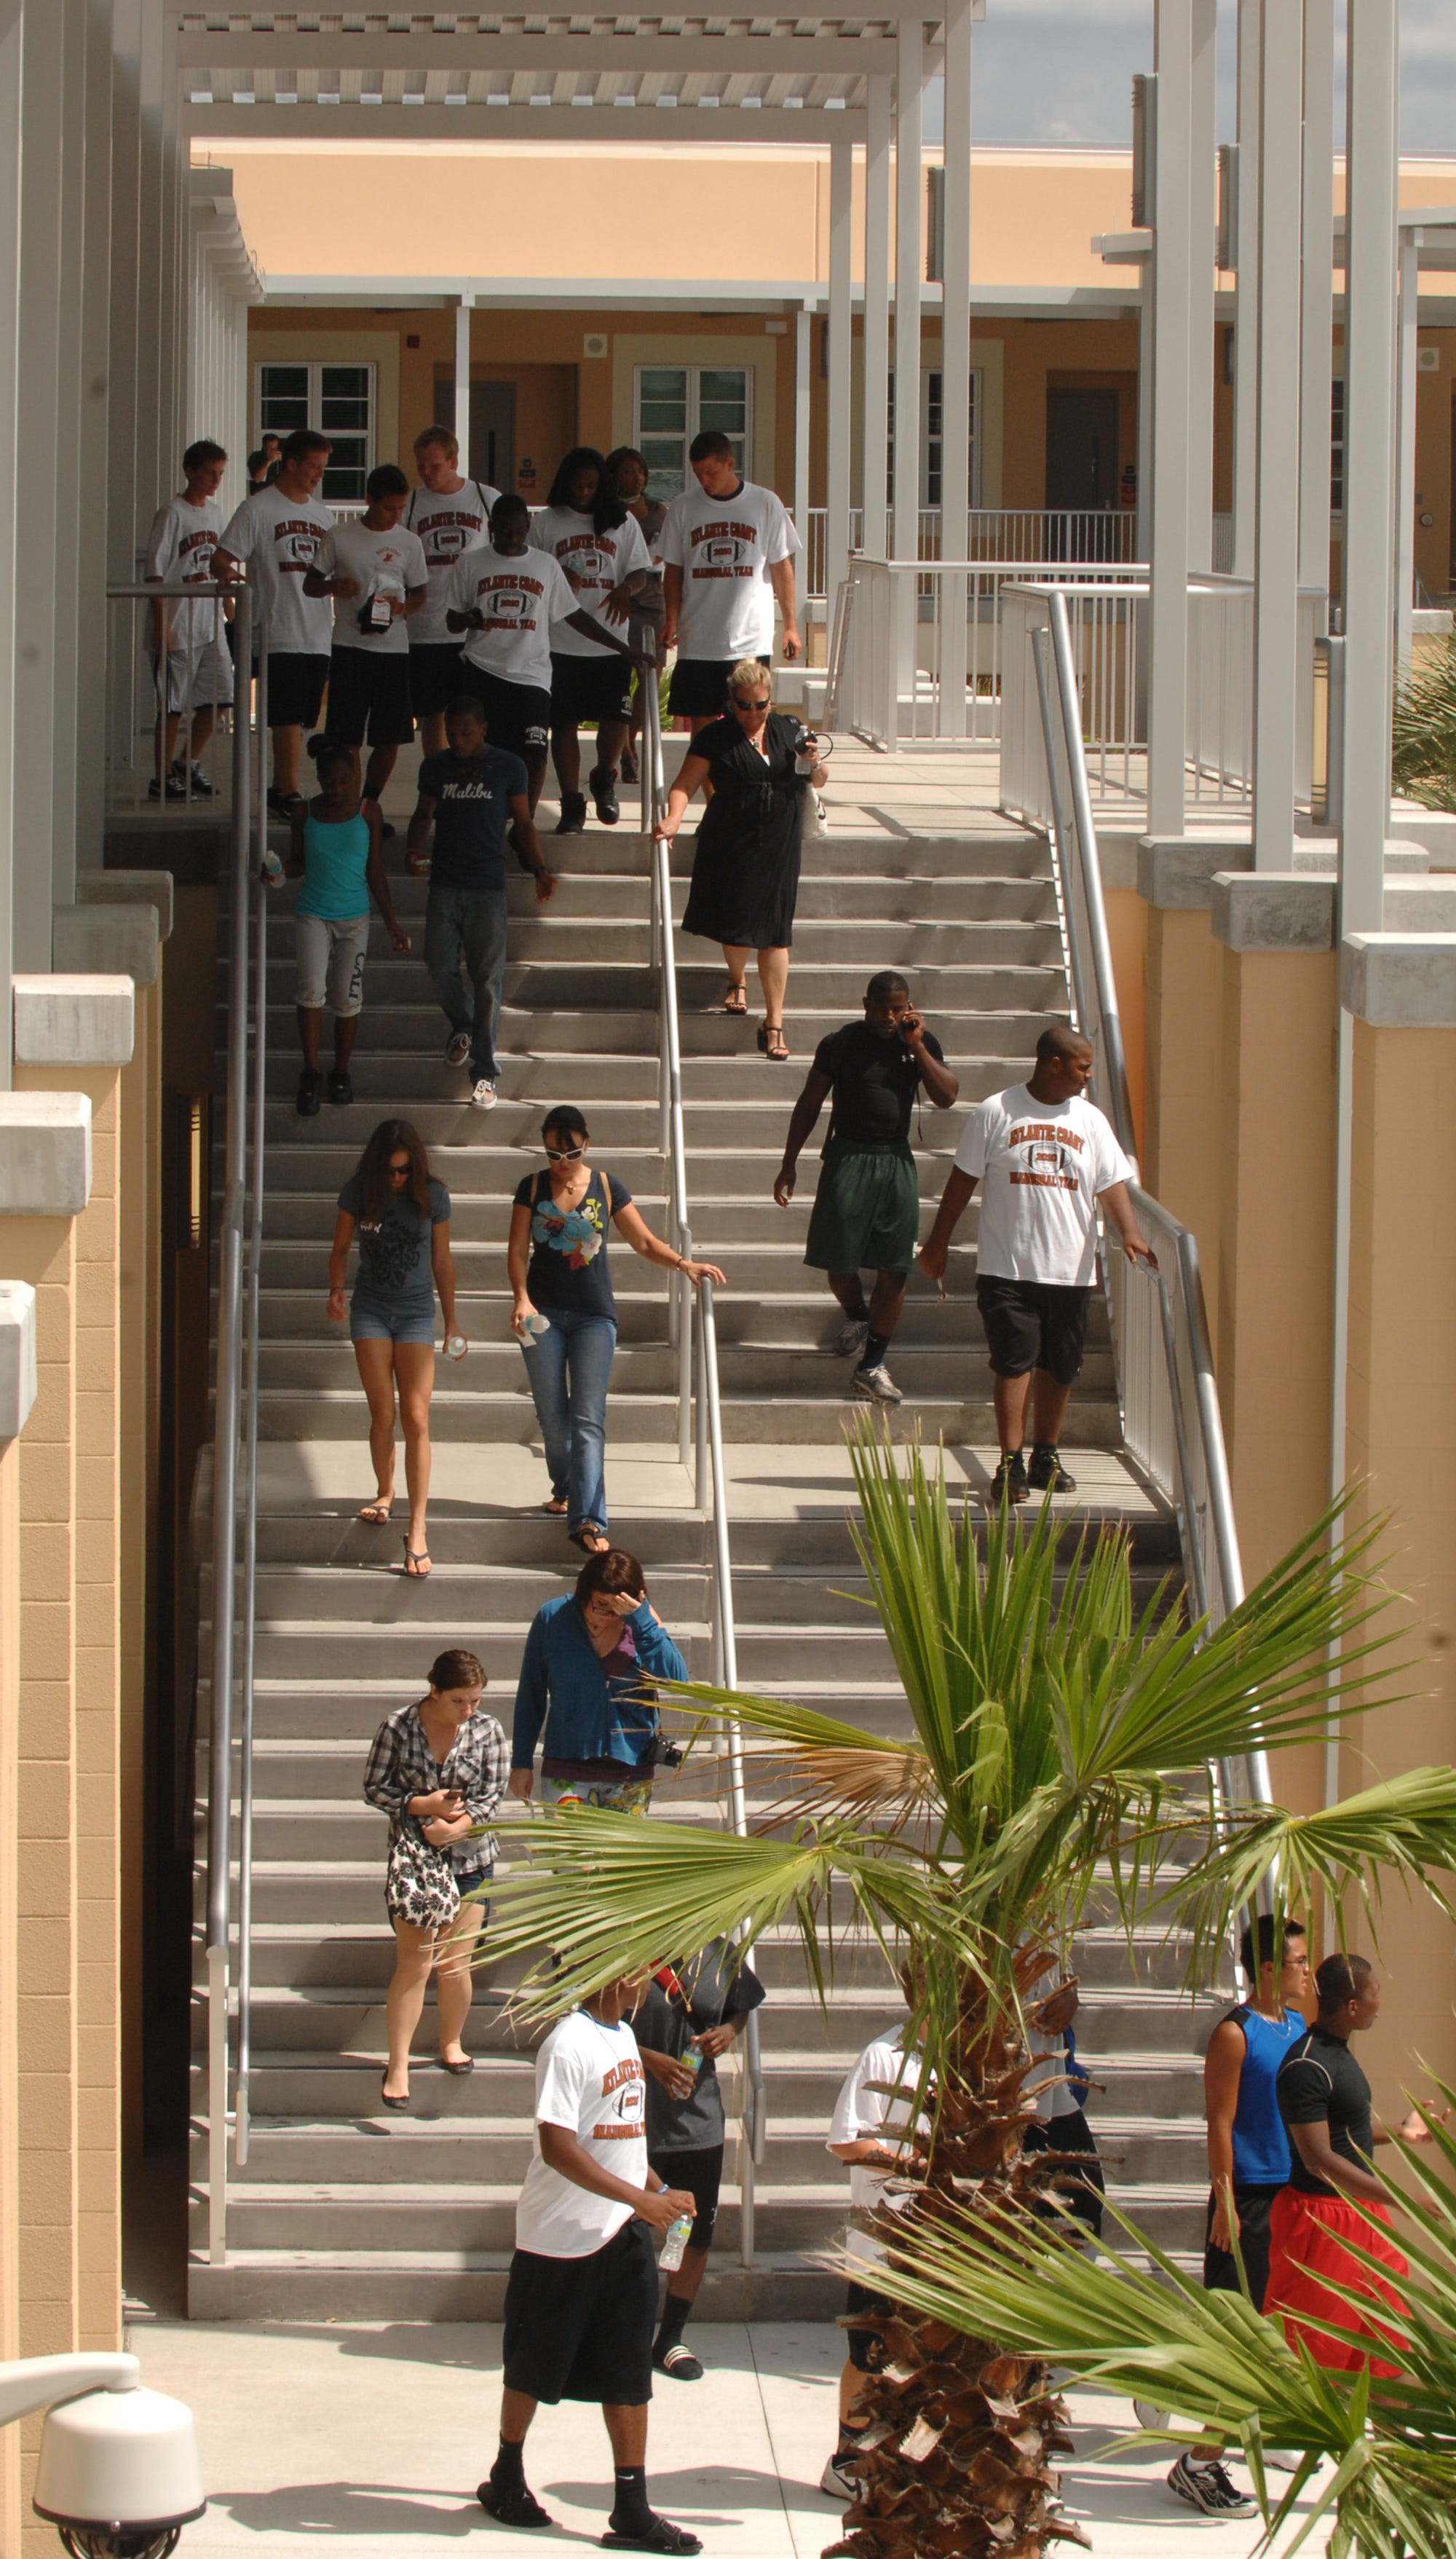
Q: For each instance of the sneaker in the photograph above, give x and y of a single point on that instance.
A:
(876, 1385)
(849, 1342)
(1009, 1480)
(457, 1048)
(310, 1088)
(341, 1087)
(679, 2362)
(201, 788)
(174, 789)
(1047, 1475)
(281, 803)
(604, 795)
(834, 2478)
(1207, 2487)
(483, 1094)
(514, 2505)
(573, 821)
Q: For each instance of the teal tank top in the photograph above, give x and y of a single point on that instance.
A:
(335, 851)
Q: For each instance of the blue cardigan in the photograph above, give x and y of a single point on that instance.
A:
(564, 1685)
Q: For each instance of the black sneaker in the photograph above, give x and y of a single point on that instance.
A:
(604, 794)
(1009, 1482)
(281, 804)
(175, 789)
(201, 788)
(514, 2505)
(1207, 2487)
(1047, 1475)
(310, 1090)
(340, 1087)
(573, 821)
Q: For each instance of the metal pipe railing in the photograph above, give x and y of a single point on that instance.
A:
(252, 1284)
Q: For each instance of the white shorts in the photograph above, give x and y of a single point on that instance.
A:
(330, 954)
(196, 678)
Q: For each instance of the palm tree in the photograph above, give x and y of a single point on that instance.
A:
(1058, 1736)
(1424, 758)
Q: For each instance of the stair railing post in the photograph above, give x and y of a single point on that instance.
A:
(251, 1442)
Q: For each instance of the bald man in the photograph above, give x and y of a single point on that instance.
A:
(1049, 1159)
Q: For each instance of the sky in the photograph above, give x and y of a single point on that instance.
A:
(1061, 70)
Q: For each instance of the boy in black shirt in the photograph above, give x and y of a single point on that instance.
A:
(472, 795)
(866, 1211)
(689, 2016)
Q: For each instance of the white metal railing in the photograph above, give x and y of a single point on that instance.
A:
(141, 680)
(1033, 534)
(920, 647)
(705, 1438)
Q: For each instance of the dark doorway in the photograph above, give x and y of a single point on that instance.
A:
(1081, 459)
(492, 455)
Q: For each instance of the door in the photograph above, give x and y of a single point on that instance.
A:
(492, 434)
(1081, 461)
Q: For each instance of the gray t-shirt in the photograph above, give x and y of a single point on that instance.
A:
(395, 1272)
(664, 2023)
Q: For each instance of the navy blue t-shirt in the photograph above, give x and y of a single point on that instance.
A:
(396, 1275)
(472, 796)
(568, 1247)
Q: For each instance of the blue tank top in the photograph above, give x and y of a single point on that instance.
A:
(1260, 2141)
(335, 851)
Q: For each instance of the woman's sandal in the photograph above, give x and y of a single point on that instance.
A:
(772, 1042)
(555, 1508)
(417, 1566)
(396, 2105)
(591, 1539)
(736, 986)
(377, 1514)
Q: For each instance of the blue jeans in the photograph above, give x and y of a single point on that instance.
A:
(465, 928)
(570, 1369)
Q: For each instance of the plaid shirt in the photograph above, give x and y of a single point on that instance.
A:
(401, 1764)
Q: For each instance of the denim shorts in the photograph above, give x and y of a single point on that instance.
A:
(366, 1324)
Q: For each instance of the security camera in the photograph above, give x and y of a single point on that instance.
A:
(118, 2472)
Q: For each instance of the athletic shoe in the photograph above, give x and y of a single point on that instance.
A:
(834, 2478)
(876, 1385)
(341, 1087)
(1047, 1475)
(457, 1048)
(1207, 2489)
(483, 1094)
(679, 2363)
(849, 1342)
(201, 788)
(281, 803)
(604, 794)
(514, 2505)
(573, 821)
(1009, 1480)
(175, 789)
(310, 1087)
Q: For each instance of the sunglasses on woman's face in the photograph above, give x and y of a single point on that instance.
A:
(563, 1154)
(398, 1171)
(741, 702)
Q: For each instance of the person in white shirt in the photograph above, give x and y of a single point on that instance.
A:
(512, 600)
(451, 515)
(190, 654)
(581, 2298)
(727, 552)
(376, 573)
(874, 2129)
(1049, 1161)
(274, 536)
(589, 532)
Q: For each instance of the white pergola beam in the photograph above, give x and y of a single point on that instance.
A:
(1204, 227)
(1373, 168)
(1276, 516)
(812, 56)
(837, 434)
(1171, 310)
(811, 128)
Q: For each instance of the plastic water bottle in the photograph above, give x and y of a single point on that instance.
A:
(456, 1346)
(272, 866)
(531, 1328)
(674, 2244)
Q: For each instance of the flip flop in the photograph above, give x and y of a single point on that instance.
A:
(579, 1537)
(377, 1514)
(417, 1566)
(555, 1509)
(659, 2535)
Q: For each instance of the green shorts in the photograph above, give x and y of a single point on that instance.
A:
(866, 1211)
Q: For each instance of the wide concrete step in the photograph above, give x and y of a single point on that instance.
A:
(455, 2284)
(755, 1115)
(476, 1173)
(803, 1419)
(754, 1315)
(555, 937)
(953, 984)
(492, 1369)
(414, 1076)
(746, 1222)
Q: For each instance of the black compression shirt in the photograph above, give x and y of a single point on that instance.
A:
(1321, 2082)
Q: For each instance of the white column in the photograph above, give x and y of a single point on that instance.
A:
(11, 84)
(803, 350)
(1405, 449)
(876, 399)
(1370, 239)
(956, 365)
(1168, 562)
(1276, 512)
(1204, 224)
(909, 273)
(41, 288)
(1317, 314)
(122, 472)
(1245, 309)
(156, 461)
(72, 456)
(462, 378)
(838, 439)
(1145, 412)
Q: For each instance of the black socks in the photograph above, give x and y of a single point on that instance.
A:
(509, 2467)
(671, 2324)
(874, 1350)
(859, 1314)
(630, 2511)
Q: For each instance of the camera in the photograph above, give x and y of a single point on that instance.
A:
(662, 1753)
(118, 2472)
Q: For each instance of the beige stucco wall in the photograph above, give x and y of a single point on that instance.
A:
(9, 1966)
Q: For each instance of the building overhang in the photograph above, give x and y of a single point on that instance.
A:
(751, 295)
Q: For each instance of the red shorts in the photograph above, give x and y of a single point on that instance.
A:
(1307, 2253)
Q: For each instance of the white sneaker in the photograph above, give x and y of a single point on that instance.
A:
(457, 1048)
(483, 1095)
(834, 2481)
(876, 1385)
(851, 1341)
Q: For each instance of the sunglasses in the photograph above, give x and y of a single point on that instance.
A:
(563, 1154)
(740, 703)
(398, 1171)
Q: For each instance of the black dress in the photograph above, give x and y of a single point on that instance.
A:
(745, 863)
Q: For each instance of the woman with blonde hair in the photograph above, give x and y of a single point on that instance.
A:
(745, 865)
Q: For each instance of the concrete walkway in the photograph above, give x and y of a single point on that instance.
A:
(348, 2440)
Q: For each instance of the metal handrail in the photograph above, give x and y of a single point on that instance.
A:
(710, 1472)
(253, 1282)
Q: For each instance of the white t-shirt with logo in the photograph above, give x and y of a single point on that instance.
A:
(278, 537)
(597, 561)
(380, 564)
(180, 549)
(1043, 1166)
(725, 549)
(520, 597)
(590, 2080)
(865, 2111)
(447, 526)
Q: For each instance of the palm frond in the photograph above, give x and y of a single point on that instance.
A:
(812, 1765)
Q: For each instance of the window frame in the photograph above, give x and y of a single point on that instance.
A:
(692, 405)
(315, 367)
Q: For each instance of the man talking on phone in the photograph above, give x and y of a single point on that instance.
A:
(866, 1211)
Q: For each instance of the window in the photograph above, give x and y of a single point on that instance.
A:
(674, 402)
(1337, 447)
(931, 437)
(339, 399)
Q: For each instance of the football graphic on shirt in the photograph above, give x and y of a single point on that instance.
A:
(723, 551)
(503, 601)
(301, 548)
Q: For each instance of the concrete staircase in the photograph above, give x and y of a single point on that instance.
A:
(342, 2209)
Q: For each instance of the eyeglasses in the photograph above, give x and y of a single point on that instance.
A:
(398, 1172)
(563, 1154)
(742, 704)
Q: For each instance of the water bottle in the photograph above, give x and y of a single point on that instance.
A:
(456, 1346)
(674, 2244)
(531, 1328)
(272, 866)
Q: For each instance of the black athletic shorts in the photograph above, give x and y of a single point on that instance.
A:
(1220, 2271)
(517, 716)
(1077, 2179)
(700, 2175)
(588, 690)
(865, 2345)
(436, 676)
(581, 2327)
(1032, 1324)
(700, 687)
(296, 681)
(369, 695)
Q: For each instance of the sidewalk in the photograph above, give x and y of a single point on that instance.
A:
(348, 2440)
